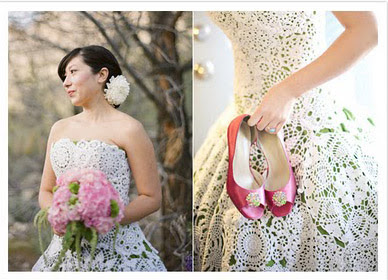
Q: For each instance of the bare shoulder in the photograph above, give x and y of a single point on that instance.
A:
(129, 125)
(130, 130)
(60, 126)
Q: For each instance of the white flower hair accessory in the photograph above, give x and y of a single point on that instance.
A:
(117, 91)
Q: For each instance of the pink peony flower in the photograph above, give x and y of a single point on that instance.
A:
(87, 197)
(57, 215)
(74, 214)
(93, 201)
(103, 224)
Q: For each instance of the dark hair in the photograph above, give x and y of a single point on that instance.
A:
(96, 57)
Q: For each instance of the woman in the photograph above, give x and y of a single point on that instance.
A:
(333, 223)
(104, 138)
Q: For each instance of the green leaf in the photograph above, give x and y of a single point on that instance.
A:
(371, 121)
(270, 263)
(114, 208)
(87, 233)
(68, 235)
(74, 187)
(73, 200)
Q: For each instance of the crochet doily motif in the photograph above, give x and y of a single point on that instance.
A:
(333, 223)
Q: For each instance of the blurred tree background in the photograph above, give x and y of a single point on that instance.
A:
(154, 50)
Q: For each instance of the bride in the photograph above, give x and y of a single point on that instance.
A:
(104, 138)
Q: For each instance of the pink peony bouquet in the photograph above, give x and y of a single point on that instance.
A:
(84, 205)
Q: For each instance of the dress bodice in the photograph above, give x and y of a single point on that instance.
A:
(67, 154)
(133, 252)
(268, 46)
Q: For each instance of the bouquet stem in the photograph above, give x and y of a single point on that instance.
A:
(65, 247)
(39, 220)
(115, 236)
(94, 245)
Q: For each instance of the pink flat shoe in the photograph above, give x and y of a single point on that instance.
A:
(244, 184)
(280, 184)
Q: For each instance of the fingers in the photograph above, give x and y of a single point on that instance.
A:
(55, 232)
(255, 118)
(263, 123)
(280, 126)
(273, 128)
(266, 122)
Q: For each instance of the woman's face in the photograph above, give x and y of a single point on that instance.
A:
(80, 83)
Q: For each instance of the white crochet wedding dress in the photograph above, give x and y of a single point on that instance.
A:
(133, 251)
(333, 224)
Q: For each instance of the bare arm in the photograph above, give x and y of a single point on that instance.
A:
(359, 37)
(141, 158)
(48, 176)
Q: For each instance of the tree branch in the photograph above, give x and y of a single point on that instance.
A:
(187, 66)
(130, 27)
(129, 68)
(41, 40)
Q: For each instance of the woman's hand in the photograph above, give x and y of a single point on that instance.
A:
(274, 109)
(360, 36)
(59, 234)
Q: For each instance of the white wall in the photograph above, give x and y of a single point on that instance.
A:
(213, 94)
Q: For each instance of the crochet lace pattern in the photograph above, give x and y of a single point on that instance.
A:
(133, 251)
(333, 224)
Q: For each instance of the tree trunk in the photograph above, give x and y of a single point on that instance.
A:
(173, 136)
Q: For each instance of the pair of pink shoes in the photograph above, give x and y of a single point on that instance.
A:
(248, 190)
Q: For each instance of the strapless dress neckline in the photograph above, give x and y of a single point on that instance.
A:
(77, 142)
